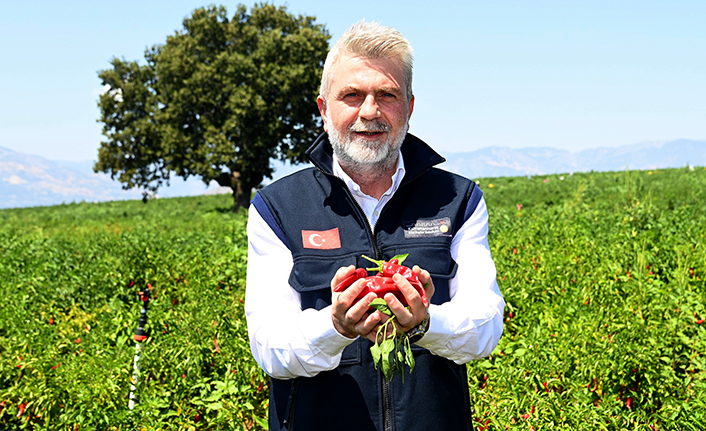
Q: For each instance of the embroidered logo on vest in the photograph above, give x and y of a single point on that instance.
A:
(427, 228)
(322, 240)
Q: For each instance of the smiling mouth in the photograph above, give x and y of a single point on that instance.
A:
(372, 129)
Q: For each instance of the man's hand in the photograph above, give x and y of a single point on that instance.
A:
(357, 319)
(350, 318)
(409, 318)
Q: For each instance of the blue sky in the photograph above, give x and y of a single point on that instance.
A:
(562, 74)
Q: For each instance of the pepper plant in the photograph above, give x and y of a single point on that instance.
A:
(603, 274)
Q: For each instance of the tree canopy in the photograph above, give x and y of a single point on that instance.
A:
(217, 101)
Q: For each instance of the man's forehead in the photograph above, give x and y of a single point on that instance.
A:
(381, 89)
(386, 65)
(392, 64)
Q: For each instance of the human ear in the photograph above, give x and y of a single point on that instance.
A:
(322, 109)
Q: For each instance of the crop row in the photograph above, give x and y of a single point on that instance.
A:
(603, 274)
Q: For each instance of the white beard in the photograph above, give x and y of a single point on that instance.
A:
(366, 157)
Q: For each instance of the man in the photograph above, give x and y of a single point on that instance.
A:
(374, 191)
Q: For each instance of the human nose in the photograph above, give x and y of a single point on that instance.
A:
(369, 109)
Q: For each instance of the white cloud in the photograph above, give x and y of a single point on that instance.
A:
(14, 180)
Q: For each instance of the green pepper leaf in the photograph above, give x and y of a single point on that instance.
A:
(390, 352)
(386, 366)
(380, 305)
(388, 346)
(409, 359)
(376, 353)
(400, 258)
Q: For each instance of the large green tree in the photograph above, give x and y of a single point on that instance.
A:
(217, 101)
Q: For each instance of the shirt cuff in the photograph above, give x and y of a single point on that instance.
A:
(319, 330)
(440, 330)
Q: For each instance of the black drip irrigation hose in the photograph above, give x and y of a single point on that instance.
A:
(140, 336)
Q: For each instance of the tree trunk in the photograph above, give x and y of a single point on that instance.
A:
(241, 192)
(240, 198)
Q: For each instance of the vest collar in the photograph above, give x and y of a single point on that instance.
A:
(417, 156)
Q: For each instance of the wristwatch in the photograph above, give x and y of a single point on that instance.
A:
(415, 334)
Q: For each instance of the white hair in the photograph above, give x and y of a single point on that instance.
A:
(374, 41)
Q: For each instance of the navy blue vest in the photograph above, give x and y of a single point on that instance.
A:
(420, 219)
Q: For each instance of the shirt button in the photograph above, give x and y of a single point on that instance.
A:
(377, 213)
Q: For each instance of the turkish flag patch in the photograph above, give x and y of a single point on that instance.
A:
(322, 240)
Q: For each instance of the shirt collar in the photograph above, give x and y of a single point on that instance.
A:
(355, 188)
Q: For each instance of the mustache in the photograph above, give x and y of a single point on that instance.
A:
(369, 126)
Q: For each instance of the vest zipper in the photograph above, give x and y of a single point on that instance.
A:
(386, 392)
(386, 404)
(467, 399)
(361, 213)
(288, 422)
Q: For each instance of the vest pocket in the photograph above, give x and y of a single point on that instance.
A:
(352, 354)
(311, 273)
(311, 277)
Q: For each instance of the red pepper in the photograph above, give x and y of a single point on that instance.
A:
(381, 286)
(343, 285)
(392, 267)
(383, 283)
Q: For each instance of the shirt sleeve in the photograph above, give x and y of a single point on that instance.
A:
(285, 341)
(470, 325)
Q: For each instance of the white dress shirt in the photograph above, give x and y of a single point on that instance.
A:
(288, 342)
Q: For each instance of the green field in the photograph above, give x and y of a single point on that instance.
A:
(603, 274)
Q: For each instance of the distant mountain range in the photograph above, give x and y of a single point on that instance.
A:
(509, 162)
(501, 161)
(27, 180)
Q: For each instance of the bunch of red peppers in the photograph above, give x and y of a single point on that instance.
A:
(392, 350)
(382, 282)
